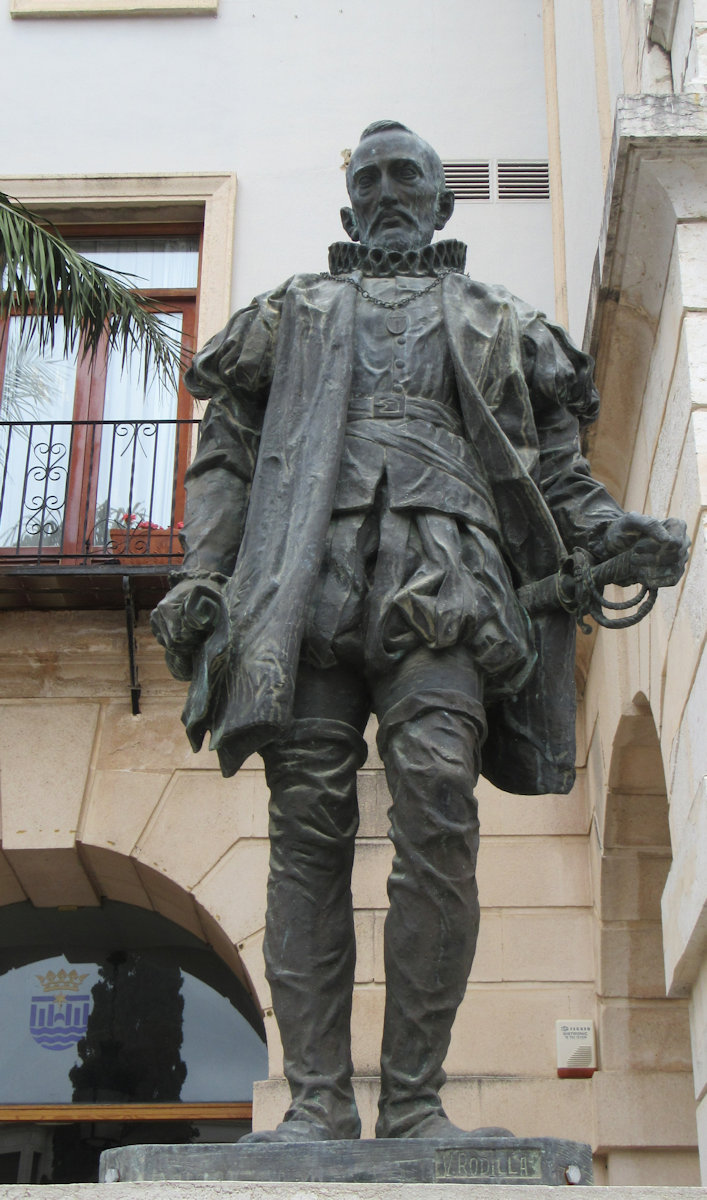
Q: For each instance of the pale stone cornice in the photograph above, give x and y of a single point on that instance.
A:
(657, 179)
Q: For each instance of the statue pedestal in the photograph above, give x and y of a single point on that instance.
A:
(483, 1160)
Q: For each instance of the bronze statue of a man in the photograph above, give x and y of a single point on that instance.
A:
(390, 452)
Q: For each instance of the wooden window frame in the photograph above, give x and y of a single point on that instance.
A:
(208, 1110)
(113, 8)
(90, 393)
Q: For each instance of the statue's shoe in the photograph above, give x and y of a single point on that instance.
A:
(298, 1130)
(436, 1125)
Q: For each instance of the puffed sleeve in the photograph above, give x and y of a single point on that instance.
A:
(564, 399)
(233, 371)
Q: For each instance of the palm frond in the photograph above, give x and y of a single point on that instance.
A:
(42, 278)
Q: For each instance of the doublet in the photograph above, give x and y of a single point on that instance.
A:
(412, 553)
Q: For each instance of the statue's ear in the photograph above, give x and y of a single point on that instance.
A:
(444, 208)
(348, 221)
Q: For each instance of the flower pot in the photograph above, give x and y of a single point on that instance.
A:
(145, 546)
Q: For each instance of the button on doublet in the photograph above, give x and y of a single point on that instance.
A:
(396, 322)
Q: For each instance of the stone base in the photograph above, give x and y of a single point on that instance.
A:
(483, 1160)
(332, 1191)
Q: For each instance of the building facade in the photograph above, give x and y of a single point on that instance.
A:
(199, 144)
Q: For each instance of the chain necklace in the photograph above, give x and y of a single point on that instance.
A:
(393, 304)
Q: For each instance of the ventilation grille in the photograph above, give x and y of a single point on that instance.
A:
(498, 180)
(523, 181)
(469, 180)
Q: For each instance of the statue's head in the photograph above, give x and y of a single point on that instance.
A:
(396, 184)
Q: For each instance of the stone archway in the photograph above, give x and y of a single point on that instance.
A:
(644, 1097)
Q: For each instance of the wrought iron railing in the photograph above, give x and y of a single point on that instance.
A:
(92, 492)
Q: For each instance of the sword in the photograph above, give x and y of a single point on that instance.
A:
(578, 586)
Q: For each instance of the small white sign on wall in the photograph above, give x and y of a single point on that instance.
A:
(576, 1049)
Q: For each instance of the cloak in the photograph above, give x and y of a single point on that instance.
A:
(261, 489)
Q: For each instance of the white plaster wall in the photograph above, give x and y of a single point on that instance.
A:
(582, 181)
(275, 89)
(614, 59)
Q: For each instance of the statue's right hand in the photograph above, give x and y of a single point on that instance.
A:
(183, 620)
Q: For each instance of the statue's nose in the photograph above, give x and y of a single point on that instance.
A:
(387, 190)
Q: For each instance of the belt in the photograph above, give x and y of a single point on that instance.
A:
(392, 408)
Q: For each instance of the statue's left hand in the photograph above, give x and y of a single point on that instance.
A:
(659, 549)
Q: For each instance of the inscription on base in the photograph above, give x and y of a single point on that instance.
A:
(504, 1166)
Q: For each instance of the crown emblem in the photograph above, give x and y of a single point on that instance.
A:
(60, 982)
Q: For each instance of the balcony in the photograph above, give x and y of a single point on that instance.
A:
(90, 511)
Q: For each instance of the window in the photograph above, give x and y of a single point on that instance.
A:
(119, 1027)
(92, 454)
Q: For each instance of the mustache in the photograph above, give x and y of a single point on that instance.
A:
(394, 213)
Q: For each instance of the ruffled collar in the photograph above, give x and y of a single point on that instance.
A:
(344, 257)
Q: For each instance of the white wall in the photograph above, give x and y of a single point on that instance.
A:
(582, 182)
(275, 89)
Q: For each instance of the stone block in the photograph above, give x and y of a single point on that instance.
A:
(694, 335)
(530, 1106)
(270, 1100)
(636, 762)
(45, 754)
(644, 1036)
(378, 947)
(684, 904)
(367, 1028)
(252, 799)
(243, 1190)
(63, 655)
(233, 891)
(507, 1031)
(687, 499)
(534, 872)
(272, 1096)
(688, 755)
(666, 399)
(692, 250)
(374, 800)
(698, 1027)
(199, 817)
(636, 1168)
(636, 820)
(250, 952)
(702, 1134)
(274, 1044)
(115, 875)
(685, 646)
(488, 960)
(632, 883)
(364, 925)
(225, 949)
(155, 738)
(167, 898)
(631, 961)
(643, 1109)
(118, 807)
(502, 814)
(373, 761)
(370, 874)
(548, 946)
(50, 877)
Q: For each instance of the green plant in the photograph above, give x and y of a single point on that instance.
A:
(42, 279)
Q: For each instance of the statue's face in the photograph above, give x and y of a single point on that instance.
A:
(394, 191)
